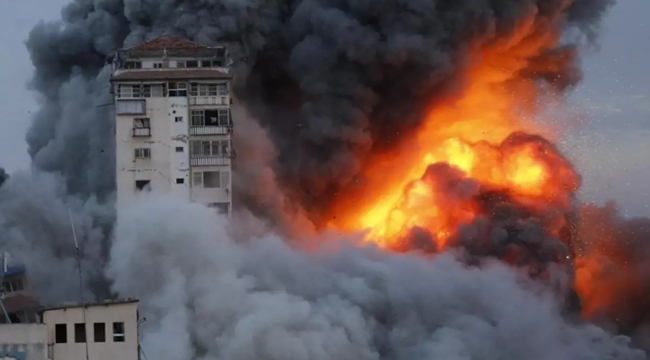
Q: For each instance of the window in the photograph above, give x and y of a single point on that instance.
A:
(214, 148)
(141, 123)
(141, 127)
(60, 334)
(100, 332)
(118, 332)
(178, 119)
(143, 153)
(133, 65)
(211, 179)
(126, 91)
(178, 89)
(180, 181)
(152, 90)
(180, 64)
(157, 65)
(219, 117)
(80, 333)
(191, 64)
(198, 118)
(130, 107)
(12, 285)
(179, 149)
(197, 178)
(140, 91)
(220, 89)
(143, 185)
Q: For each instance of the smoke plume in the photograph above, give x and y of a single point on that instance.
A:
(207, 297)
(326, 84)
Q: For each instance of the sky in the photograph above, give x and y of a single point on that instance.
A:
(610, 147)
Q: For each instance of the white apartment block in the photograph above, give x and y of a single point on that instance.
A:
(173, 121)
(105, 330)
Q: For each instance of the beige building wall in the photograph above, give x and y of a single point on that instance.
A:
(23, 341)
(108, 314)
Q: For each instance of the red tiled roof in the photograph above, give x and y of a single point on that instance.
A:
(170, 74)
(168, 42)
(19, 302)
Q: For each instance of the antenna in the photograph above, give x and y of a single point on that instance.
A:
(2, 289)
(81, 288)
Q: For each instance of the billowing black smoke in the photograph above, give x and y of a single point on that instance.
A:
(331, 80)
(328, 82)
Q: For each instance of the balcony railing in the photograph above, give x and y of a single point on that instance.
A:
(209, 100)
(209, 161)
(141, 132)
(210, 130)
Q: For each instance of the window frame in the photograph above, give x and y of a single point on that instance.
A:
(96, 335)
(63, 336)
(119, 335)
(142, 153)
(80, 335)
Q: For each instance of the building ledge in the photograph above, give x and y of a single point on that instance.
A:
(171, 74)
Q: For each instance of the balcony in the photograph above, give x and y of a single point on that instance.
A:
(209, 161)
(210, 130)
(209, 100)
(141, 132)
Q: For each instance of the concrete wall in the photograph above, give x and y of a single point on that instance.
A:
(108, 314)
(23, 341)
(157, 169)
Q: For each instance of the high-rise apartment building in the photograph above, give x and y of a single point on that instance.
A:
(173, 121)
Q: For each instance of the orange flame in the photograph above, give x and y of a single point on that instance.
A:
(467, 134)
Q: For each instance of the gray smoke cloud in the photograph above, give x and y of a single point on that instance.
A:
(316, 77)
(207, 297)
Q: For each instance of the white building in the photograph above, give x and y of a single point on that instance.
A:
(173, 121)
(106, 330)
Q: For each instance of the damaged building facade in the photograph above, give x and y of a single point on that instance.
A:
(173, 121)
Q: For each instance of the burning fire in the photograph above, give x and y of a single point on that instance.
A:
(445, 176)
(475, 142)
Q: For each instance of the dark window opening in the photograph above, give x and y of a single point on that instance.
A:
(178, 119)
(178, 89)
(60, 334)
(80, 333)
(191, 64)
(118, 332)
(142, 185)
(133, 65)
(180, 181)
(15, 319)
(220, 117)
(179, 149)
(100, 332)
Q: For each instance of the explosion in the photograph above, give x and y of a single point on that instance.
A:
(475, 144)
(413, 121)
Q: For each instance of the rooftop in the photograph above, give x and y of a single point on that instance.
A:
(168, 42)
(19, 302)
(91, 304)
(172, 74)
(173, 46)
